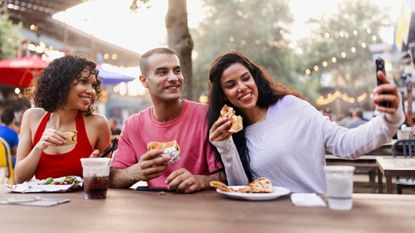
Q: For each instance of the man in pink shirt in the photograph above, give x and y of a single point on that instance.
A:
(170, 118)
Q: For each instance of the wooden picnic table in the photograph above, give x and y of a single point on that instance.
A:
(393, 167)
(365, 163)
(206, 211)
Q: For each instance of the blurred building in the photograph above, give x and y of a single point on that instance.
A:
(44, 35)
(43, 32)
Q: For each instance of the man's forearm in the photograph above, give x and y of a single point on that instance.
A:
(121, 178)
(205, 180)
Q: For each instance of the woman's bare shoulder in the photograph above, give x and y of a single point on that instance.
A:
(34, 113)
(96, 119)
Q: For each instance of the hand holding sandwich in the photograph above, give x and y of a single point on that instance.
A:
(227, 124)
(53, 137)
(150, 165)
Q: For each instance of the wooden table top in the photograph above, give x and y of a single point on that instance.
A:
(363, 157)
(207, 211)
(396, 163)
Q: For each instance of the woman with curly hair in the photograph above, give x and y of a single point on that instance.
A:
(284, 138)
(64, 98)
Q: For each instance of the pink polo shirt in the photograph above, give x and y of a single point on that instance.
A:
(189, 129)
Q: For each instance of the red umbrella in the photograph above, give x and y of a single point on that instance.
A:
(20, 72)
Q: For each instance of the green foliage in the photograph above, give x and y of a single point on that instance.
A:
(353, 27)
(10, 37)
(256, 28)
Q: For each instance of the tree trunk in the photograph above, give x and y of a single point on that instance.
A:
(179, 39)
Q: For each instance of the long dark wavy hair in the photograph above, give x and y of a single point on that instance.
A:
(51, 90)
(269, 92)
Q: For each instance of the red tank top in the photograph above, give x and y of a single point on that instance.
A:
(65, 164)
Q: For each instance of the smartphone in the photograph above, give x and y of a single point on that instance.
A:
(380, 66)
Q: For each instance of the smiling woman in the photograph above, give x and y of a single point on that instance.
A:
(65, 95)
(285, 138)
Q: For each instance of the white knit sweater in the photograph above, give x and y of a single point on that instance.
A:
(289, 145)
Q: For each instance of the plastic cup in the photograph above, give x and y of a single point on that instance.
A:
(339, 182)
(96, 177)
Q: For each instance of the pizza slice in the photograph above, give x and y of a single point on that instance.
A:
(221, 186)
(70, 137)
(260, 185)
(229, 113)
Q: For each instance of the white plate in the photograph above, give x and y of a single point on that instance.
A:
(277, 192)
(36, 186)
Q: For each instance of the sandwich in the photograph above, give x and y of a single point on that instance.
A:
(170, 148)
(229, 113)
(70, 137)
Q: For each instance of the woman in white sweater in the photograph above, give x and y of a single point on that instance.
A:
(284, 137)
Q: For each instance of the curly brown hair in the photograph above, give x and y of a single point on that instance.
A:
(51, 90)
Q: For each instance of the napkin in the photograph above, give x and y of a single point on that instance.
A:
(307, 199)
(34, 201)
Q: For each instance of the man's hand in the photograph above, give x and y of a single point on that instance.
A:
(183, 181)
(150, 165)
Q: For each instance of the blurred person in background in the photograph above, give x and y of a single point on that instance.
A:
(115, 130)
(327, 113)
(65, 97)
(356, 118)
(8, 133)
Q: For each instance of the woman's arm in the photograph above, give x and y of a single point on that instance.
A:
(221, 138)
(27, 158)
(234, 170)
(351, 143)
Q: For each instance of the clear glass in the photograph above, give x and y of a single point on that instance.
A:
(339, 183)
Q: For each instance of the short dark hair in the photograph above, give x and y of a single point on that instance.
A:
(51, 90)
(7, 116)
(144, 65)
(269, 92)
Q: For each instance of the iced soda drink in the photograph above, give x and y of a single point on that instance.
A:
(96, 177)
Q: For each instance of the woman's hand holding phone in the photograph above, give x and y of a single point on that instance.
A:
(386, 97)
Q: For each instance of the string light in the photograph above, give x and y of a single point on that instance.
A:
(362, 97)
(343, 54)
(339, 95)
